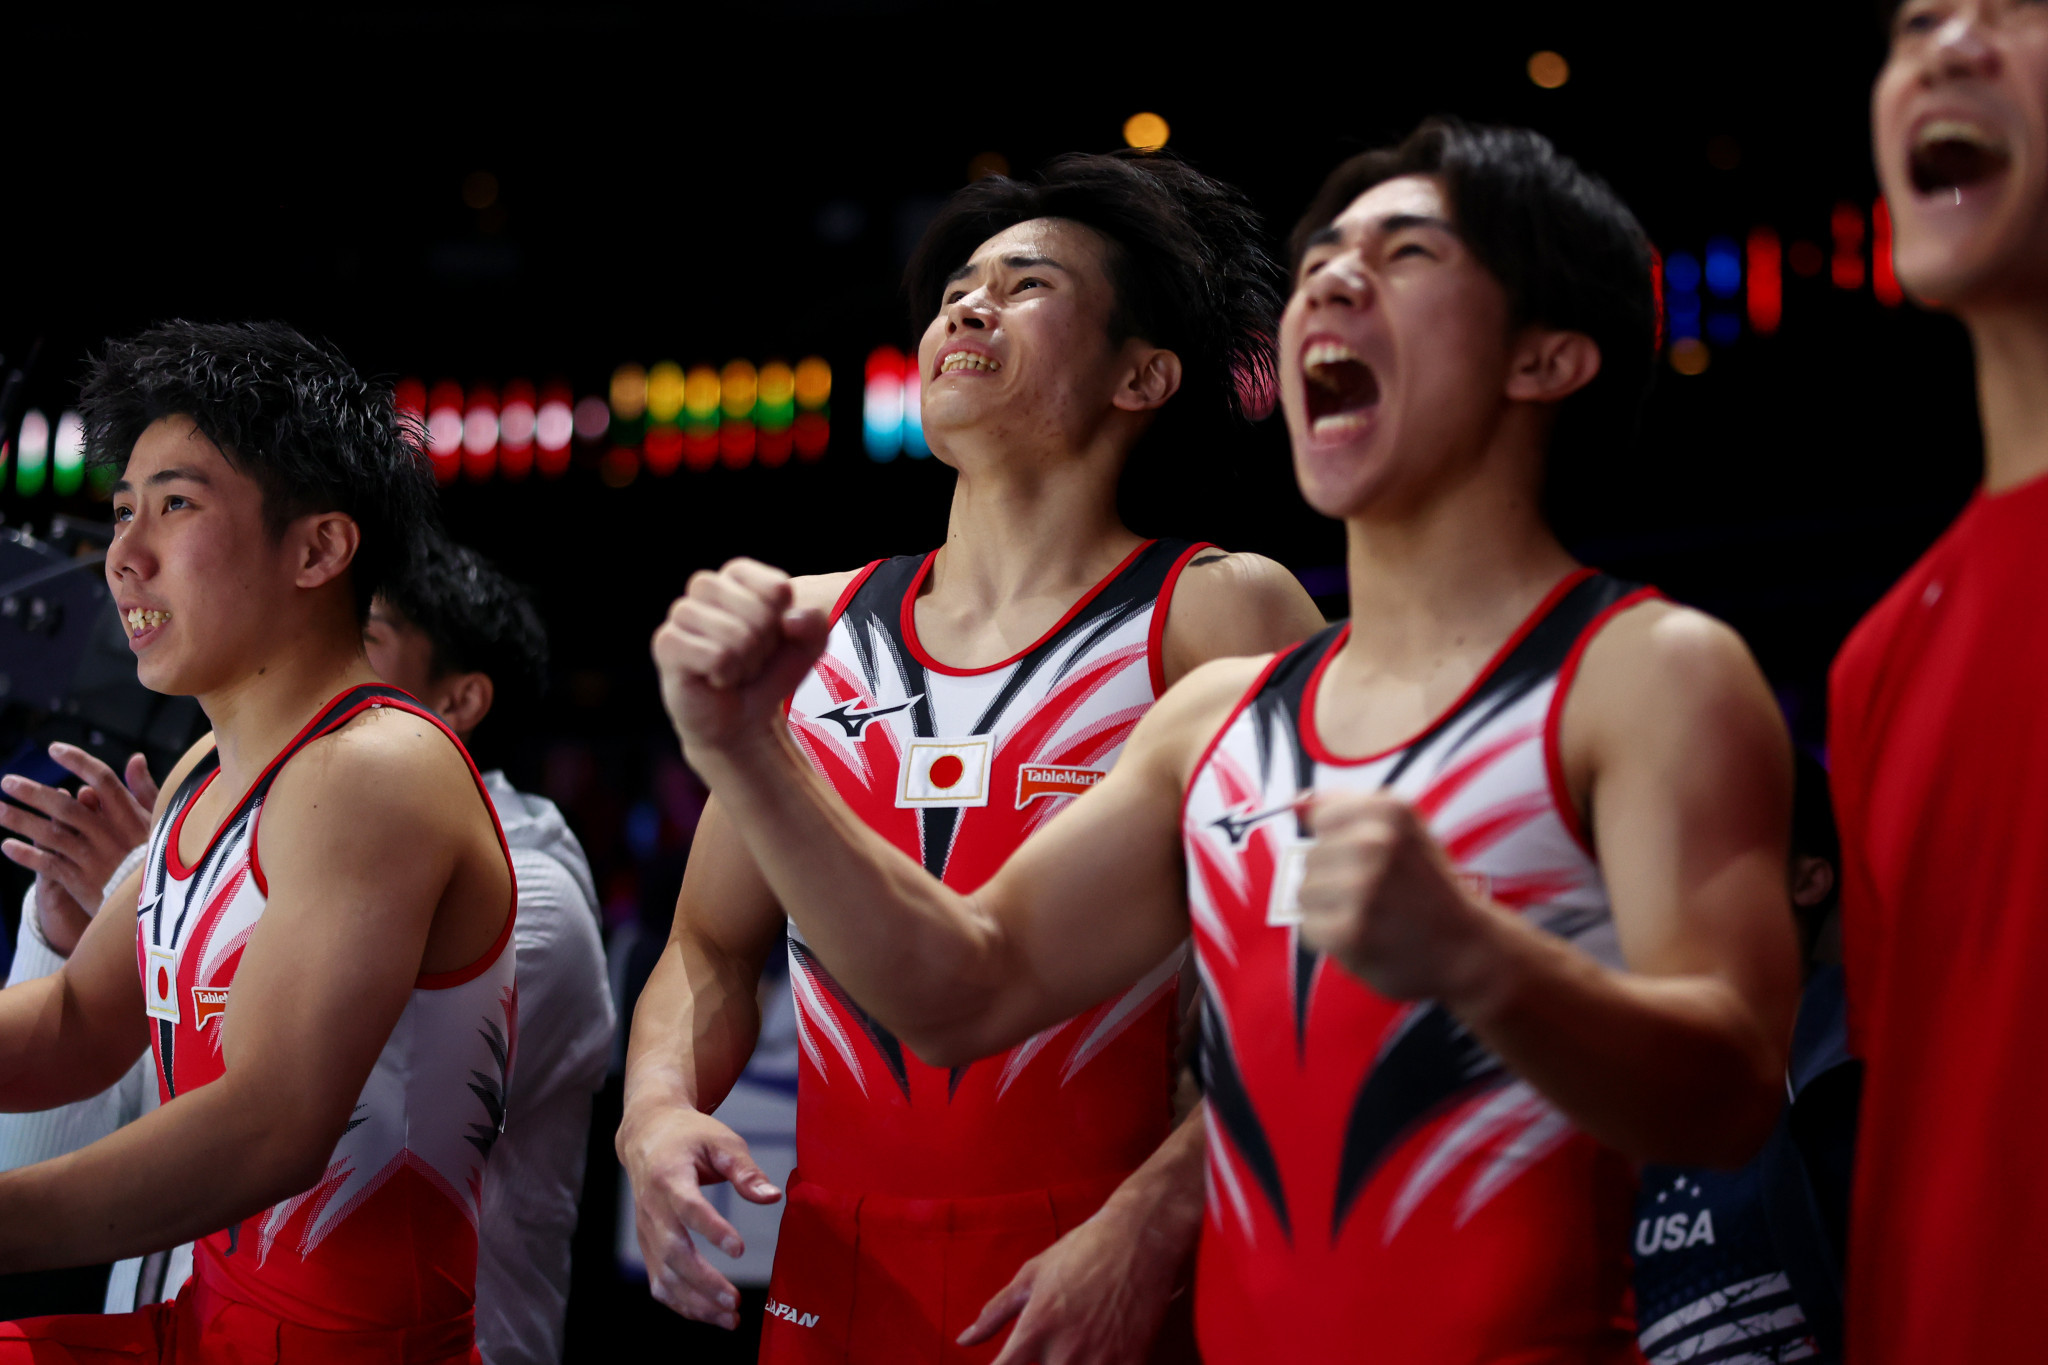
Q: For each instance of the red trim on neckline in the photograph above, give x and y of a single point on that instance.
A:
(1155, 639)
(174, 863)
(1553, 718)
(1311, 737)
(909, 617)
(846, 594)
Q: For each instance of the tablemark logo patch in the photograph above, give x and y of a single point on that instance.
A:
(208, 1003)
(1053, 779)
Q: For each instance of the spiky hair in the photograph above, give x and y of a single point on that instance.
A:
(477, 619)
(292, 414)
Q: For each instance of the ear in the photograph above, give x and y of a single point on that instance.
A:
(1812, 880)
(324, 544)
(1548, 366)
(464, 699)
(1153, 378)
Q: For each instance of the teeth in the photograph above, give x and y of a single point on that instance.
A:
(969, 360)
(1323, 354)
(142, 618)
(1957, 130)
(1340, 424)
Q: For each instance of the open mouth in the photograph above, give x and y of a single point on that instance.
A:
(142, 620)
(1954, 154)
(969, 360)
(1342, 389)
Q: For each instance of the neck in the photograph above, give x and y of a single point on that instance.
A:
(254, 717)
(1456, 570)
(1022, 527)
(2012, 392)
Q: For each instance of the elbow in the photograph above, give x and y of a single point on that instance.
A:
(290, 1160)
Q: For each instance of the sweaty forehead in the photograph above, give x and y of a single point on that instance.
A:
(1419, 196)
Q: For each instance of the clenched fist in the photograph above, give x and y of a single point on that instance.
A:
(732, 647)
(1379, 895)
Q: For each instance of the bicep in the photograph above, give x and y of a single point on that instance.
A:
(725, 905)
(1095, 899)
(1691, 806)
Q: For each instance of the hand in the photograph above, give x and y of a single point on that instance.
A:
(1095, 1297)
(1379, 895)
(732, 648)
(669, 1155)
(77, 841)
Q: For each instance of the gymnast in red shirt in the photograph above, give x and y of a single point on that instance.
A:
(1940, 737)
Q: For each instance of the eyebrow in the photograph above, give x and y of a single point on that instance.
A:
(1330, 232)
(1015, 263)
(164, 476)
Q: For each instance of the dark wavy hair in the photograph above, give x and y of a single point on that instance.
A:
(477, 619)
(1568, 252)
(292, 414)
(1187, 258)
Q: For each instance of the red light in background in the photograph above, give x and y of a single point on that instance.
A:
(480, 434)
(736, 444)
(517, 421)
(664, 446)
(700, 449)
(554, 423)
(812, 432)
(409, 396)
(619, 467)
(444, 430)
(773, 447)
(1884, 282)
(1847, 267)
(885, 362)
(1657, 296)
(1766, 281)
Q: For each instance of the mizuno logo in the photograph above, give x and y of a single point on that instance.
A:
(1238, 827)
(856, 722)
(788, 1314)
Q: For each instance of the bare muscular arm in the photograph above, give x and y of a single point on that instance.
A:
(956, 977)
(68, 1036)
(1229, 606)
(1679, 1057)
(348, 929)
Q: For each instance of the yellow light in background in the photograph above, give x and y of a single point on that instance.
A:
(1146, 132)
(665, 391)
(738, 384)
(777, 384)
(1689, 355)
(629, 393)
(813, 382)
(1549, 70)
(700, 393)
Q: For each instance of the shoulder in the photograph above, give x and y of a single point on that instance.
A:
(823, 590)
(385, 767)
(1181, 723)
(1661, 668)
(1228, 604)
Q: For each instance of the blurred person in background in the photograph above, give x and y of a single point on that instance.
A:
(1938, 736)
(455, 633)
(1746, 1264)
(1113, 304)
(331, 1022)
(1487, 885)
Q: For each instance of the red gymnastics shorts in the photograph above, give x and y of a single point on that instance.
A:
(863, 1279)
(201, 1327)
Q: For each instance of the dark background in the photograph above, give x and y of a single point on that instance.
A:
(697, 183)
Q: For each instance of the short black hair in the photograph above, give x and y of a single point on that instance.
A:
(478, 620)
(291, 413)
(1568, 252)
(1187, 258)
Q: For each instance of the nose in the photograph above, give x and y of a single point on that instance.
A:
(1962, 45)
(1341, 282)
(128, 558)
(969, 311)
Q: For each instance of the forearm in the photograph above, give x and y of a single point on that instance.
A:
(196, 1166)
(1673, 1069)
(1163, 1198)
(51, 1053)
(693, 1030)
(917, 954)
